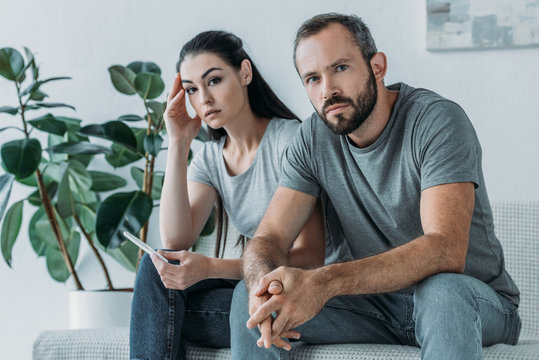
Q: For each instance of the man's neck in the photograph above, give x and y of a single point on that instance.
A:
(374, 125)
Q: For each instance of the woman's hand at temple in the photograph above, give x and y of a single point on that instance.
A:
(180, 125)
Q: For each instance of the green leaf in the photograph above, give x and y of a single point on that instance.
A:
(122, 212)
(9, 109)
(39, 105)
(45, 233)
(157, 183)
(52, 141)
(56, 78)
(79, 147)
(74, 187)
(149, 85)
(11, 63)
(152, 144)
(123, 79)
(32, 62)
(6, 183)
(102, 181)
(50, 124)
(126, 255)
(130, 117)
(35, 198)
(10, 230)
(139, 66)
(31, 88)
(21, 157)
(122, 156)
(38, 95)
(38, 245)
(55, 261)
(115, 131)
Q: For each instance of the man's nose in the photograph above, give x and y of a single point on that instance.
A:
(329, 89)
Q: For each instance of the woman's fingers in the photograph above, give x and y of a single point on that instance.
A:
(176, 86)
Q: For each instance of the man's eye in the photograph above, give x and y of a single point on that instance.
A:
(341, 68)
(190, 90)
(214, 81)
(312, 79)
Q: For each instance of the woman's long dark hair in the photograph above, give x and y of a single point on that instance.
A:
(263, 101)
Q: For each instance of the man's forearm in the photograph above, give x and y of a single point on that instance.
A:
(260, 257)
(393, 270)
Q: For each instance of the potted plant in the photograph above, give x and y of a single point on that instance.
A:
(68, 193)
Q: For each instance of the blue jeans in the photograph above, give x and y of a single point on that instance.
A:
(163, 319)
(450, 316)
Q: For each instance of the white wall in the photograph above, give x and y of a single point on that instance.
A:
(81, 39)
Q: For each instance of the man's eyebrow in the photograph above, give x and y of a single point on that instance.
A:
(309, 74)
(330, 66)
(335, 63)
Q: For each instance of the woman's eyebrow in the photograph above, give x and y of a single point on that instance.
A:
(209, 71)
(203, 75)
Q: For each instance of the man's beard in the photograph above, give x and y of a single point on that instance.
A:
(363, 107)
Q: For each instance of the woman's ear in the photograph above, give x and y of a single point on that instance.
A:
(379, 65)
(246, 72)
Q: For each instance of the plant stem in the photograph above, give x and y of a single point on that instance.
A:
(94, 249)
(49, 209)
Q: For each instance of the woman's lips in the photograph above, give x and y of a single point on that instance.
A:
(211, 113)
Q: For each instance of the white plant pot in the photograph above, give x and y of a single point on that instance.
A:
(99, 309)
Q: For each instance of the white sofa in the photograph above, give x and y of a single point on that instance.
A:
(517, 226)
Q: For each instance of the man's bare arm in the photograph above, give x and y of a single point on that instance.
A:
(286, 215)
(446, 212)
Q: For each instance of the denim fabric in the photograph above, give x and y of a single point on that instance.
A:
(163, 319)
(451, 316)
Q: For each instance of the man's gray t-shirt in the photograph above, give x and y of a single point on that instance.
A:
(247, 195)
(376, 190)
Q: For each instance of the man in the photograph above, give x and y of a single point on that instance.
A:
(402, 169)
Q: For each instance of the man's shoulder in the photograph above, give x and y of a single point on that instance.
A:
(422, 99)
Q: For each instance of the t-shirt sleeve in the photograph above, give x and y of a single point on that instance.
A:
(198, 168)
(446, 146)
(297, 171)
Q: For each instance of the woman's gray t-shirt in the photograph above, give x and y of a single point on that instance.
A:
(247, 195)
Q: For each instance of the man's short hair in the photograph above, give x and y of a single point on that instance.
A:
(360, 32)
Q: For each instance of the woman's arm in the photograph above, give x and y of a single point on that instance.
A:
(184, 207)
(309, 249)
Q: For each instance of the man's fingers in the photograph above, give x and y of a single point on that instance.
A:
(275, 287)
(291, 334)
(262, 313)
(282, 343)
(265, 333)
(262, 286)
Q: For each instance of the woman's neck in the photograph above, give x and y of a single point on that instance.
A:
(243, 138)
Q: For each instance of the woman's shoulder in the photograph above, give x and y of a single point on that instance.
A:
(284, 127)
(208, 151)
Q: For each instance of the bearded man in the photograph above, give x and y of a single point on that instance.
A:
(402, 169)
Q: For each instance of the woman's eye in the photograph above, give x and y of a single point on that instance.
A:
(190, 90)
(214, 81)
(341, 68)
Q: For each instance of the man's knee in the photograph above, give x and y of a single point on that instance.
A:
(444, 287)
(443, 297)
(240, 301)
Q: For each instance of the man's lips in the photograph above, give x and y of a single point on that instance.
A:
(336, 108)
(211, 112)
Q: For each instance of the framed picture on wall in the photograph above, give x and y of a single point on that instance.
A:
(481, 24)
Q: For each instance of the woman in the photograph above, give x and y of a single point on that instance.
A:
(238, 170)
